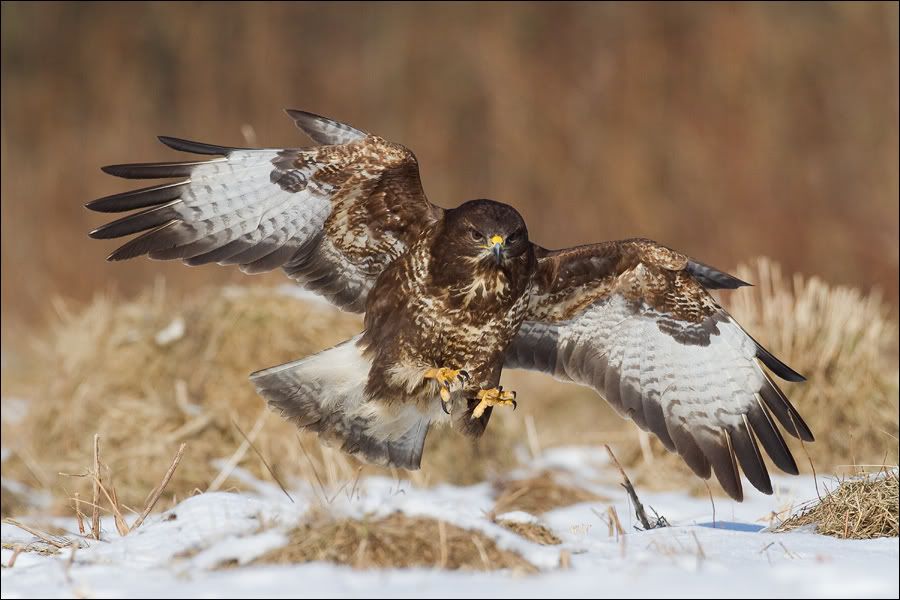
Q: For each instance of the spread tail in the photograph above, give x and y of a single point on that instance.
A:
(325, 393)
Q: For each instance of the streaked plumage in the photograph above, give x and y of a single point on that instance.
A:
(462, 290)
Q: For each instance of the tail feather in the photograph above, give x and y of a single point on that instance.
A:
(325, 393)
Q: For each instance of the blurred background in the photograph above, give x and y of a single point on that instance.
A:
(727, 131)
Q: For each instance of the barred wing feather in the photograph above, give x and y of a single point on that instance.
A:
(332, 216)
(632, 321)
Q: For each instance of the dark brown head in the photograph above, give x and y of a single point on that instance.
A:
(485, 232)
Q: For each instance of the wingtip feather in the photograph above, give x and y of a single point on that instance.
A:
(323, 130)
(183, 145)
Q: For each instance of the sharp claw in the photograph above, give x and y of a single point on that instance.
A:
(446, 407)
(463, 376)
(514, 394)
(515, 404)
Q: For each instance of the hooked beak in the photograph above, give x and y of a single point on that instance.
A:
(497, 248)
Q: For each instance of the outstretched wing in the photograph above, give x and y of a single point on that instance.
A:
(632, 320)
(332, 216)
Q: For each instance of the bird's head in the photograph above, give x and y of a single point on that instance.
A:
(486, 232)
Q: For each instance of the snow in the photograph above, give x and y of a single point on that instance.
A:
(175, 554)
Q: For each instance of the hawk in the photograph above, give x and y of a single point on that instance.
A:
(452, 297)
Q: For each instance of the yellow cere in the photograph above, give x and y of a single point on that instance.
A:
(496, 239)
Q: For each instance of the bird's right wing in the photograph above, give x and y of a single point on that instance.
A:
(332, 216)
(632, 320)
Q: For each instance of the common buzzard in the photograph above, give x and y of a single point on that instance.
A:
(452, 296)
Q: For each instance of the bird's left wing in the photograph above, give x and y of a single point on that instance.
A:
(332, 216)
(633, 320)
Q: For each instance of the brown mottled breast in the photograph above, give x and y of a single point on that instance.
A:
(431, 308)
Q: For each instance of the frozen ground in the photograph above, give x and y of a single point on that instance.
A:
(174, 554)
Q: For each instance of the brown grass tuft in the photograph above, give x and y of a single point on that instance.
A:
(860, 508)
(539, 494)
(533, 532)
(396, 541)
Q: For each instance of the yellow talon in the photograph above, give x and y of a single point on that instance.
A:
(493, 397)
(446, 377)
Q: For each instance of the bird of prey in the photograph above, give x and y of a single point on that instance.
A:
(452, 297)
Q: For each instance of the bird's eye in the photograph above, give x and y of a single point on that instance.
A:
(512, 239)
(476, 235)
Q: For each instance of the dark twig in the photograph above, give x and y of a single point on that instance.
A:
(264, 462)
(638, 507)
(162, 486)
(95, 511)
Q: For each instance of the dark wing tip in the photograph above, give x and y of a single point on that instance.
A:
(183, 145)
(776, 366)
(159, 237)
(137, 222)
(784, 411)
(141, 198)
(296, 113)
(720, 454)
(714, 279)
(730, 282)
(745, 448)
(323, 130)
(305, 120)
(116, 170)
(160, 170)
(122, 253)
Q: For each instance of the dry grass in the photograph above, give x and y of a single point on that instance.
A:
(396, 541)
(539, 494)
(861, 508)
(103, 369)
(533, 532)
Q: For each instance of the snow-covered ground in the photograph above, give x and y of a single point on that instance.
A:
(174, 553)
